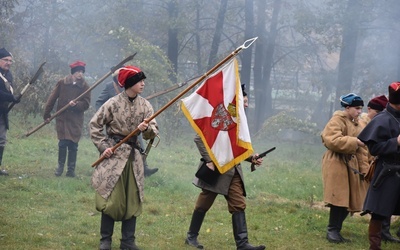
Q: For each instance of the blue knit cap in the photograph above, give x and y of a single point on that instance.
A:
(351, 100)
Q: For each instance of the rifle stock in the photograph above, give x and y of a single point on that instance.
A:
(253, 167)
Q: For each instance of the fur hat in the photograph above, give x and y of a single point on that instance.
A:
(394, 93)
(129, 76)
(351, 100)
(76, 66)
(378, 103)
(4, 53)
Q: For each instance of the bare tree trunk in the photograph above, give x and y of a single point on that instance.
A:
(212, 60)
(348, 50)
(264, 103)
(259, 60)
(173, 43)
(197, 37)
(245, 73)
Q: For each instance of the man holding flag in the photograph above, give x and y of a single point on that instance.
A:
(216, 113)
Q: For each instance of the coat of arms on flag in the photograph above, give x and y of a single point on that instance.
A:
(216, 112)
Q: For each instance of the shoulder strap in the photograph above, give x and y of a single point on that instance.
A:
(7, 84)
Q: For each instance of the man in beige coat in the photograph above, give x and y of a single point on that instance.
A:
(343, 164)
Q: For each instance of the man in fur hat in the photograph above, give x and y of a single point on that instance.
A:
(119, 178)
(6, 97)
(382, 137)
(69, 124)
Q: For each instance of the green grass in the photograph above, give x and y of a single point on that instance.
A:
(284, 207)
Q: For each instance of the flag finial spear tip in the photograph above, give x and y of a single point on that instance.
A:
(249, 42)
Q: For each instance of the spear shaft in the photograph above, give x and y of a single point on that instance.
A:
(200, 79)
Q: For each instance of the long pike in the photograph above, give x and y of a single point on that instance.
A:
(245, 45)
(32, 81)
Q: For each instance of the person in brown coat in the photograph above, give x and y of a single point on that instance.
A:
(69, 123)
(343, 164)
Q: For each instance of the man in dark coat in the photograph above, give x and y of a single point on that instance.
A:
(6, 97)
(111, 89)
(69, 124)
(381, 135)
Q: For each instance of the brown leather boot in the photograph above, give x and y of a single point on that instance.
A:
(374, 234)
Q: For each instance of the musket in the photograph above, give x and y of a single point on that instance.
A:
(176, 86)
(83, 94)
(245, 45)
(32, 81)
(261, 156)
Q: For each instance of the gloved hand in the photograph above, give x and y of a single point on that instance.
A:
(17, 98)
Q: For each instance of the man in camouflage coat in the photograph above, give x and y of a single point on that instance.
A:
(119, 179)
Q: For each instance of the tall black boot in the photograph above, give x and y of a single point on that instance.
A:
(62, 155)
(128, 229)
(194, 228)
(336, 217)
(240, 232)
(106, 232)
(386, 235)
(2, 170)
(71, 162)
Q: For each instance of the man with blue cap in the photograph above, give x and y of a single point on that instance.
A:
(343, 164)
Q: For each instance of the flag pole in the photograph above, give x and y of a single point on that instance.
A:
(245, 45)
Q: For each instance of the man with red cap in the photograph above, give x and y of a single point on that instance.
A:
(6, 97)
(375, 106)
(111, 89)
(69, 124)
(382, 137)
(119, 178)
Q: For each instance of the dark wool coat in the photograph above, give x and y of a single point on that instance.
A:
(224, 180)
(380, 135)
(343, 187)
(69, 123)
(6, 96)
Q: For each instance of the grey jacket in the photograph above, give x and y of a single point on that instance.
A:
(224, 180)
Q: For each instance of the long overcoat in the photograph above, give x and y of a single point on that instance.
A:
(380, 135)
(343, 158)
(69, 123)
(119, 116)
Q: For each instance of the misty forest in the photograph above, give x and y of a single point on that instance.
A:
(307, 54)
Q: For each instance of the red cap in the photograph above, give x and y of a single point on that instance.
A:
(378, 103)
(129, 76)
(394, 93)
(76, 66)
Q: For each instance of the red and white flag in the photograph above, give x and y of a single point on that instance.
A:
(216, 112)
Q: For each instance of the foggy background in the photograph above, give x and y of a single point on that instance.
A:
(308, 52)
